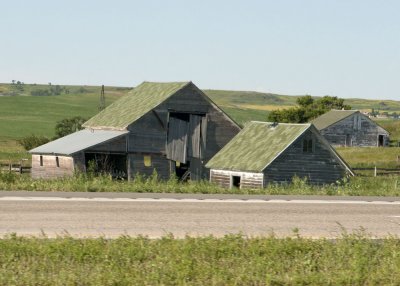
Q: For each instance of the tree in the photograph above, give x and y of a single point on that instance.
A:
(307, 109)
(68, 126)
(304, 101)
(32, 141)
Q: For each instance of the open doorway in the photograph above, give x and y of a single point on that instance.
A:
(349, 142)
(113, 164)
(381, 140)
(236, 182)
(182, 171)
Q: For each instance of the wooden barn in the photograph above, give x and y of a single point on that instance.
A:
(351, 128)
(265, 152)
(172, 128)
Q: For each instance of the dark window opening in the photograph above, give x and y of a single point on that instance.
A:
(57, 162)
(380, 140)
(181, 116)
(236, 181)
(41, 160)
(307, 146)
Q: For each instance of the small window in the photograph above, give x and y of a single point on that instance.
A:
(307, 146)
(57, 162)
(236, 182)
(147, 160)
(41, 160)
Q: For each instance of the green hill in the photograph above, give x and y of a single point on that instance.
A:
(27, 109)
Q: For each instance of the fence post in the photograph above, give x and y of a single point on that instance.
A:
(375, 172)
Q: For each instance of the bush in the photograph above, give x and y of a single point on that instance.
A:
(32, 141)
(68, 125)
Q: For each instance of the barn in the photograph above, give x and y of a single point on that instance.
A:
(172, 128)
(351, 128)
(264, 153)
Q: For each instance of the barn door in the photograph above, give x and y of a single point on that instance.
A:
(194, 135)
(177, 138)
(186, 136)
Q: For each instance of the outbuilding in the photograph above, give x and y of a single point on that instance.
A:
(265, 152)
(171, 128)
(351, 128)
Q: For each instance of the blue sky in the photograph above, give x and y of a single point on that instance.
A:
(345, 48)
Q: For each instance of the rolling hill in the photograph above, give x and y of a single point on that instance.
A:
(27, 109)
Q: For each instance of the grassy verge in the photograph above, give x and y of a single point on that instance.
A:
(357, 186)
(354, 259)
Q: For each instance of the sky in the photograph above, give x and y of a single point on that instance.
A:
(344, 48)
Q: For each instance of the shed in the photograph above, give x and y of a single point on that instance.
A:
(265, 152)
(172, 128)
(351, 128)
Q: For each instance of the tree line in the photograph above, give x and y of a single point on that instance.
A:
(308, 108)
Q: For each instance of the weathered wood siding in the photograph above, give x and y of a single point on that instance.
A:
(117, 145)
(149, 133)
(158, 162)
(79, 161)
(50, 169)
(248, 180)
(355, 130)
(319, 166)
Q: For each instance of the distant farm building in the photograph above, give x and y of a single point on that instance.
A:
(264, 153)
(172, 128)
(351, 128)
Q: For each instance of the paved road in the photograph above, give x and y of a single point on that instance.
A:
(113, 214)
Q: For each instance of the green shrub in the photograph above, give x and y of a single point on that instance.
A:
(32, 141)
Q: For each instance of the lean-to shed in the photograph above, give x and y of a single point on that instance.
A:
(265, 152)
(171, 128)
(351, 128)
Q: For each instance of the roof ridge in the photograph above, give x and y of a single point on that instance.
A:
(142, 99)
(257, 146)
(280, 123)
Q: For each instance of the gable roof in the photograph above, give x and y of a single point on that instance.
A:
(77, 141)
(131, 107)
(331, 117)
(256, 146)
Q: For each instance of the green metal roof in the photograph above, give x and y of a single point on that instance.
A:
(331, 117)
(130, 108)
(256, 146)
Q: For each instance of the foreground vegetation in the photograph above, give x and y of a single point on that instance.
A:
(357, 186)
(354, 259)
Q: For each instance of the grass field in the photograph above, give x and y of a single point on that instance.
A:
(354, 259)
(22, 115)
(363, 157)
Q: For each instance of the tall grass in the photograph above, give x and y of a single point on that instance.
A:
(354, 259)
(357, 186)
(362, 157)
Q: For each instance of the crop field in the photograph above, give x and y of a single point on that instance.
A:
(353, 259)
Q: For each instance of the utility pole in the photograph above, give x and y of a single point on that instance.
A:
(102, 103)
